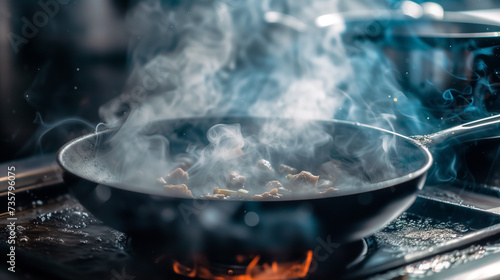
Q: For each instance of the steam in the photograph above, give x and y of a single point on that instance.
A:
(218, 58)
(177, 53)
(226, 58)
(222, 57)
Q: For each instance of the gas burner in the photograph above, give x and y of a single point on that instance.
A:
(250, 266)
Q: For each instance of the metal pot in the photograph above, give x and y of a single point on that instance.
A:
(452, 67)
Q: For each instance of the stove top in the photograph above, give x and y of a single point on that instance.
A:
(447, 233)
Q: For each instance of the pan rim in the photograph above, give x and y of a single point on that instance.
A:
(366, 188)
(455, 35)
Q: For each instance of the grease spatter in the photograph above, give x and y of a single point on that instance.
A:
(410, 233)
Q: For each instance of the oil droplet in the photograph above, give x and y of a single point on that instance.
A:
(77, 69)
(76, 87)
(395, 100)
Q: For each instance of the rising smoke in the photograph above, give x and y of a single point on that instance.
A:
(217, 58)
(221, 57)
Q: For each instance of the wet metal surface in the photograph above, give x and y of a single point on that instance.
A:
(62, 239)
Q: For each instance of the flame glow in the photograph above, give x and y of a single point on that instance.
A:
(255, 270)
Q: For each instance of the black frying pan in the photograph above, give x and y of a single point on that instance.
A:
(191, 225)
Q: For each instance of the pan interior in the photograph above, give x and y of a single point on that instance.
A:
(366, 158)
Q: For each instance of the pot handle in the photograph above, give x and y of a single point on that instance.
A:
(480, 129)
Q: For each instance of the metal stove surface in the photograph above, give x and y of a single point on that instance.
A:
(447, 233)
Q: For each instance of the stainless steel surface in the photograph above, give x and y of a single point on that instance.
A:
(475, 130)
(485, 268)
(460, 196)
(487, 16)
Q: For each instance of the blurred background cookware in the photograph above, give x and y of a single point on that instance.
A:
(451, 67)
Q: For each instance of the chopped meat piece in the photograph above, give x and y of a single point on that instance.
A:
(274, 185)
(177, 190)
(161, 181)
(270, 194)
(329, 191)
(325, 184)
(178, 176)
(285, 169)
(265, 165)
(243, 193)
(240, 192)
(235, 181)
(217, 190)
(216, 196)
(277, 185)
(303, 183)
(265, 172)
(303, 180)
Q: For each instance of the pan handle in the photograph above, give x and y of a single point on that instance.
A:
(480, 129)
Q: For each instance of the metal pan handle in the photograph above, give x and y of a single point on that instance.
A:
(480, 129)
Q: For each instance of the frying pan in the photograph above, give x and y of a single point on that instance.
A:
(194, 225)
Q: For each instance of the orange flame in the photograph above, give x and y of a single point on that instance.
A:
(254, 270)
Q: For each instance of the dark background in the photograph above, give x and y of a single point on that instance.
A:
(52, 84)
